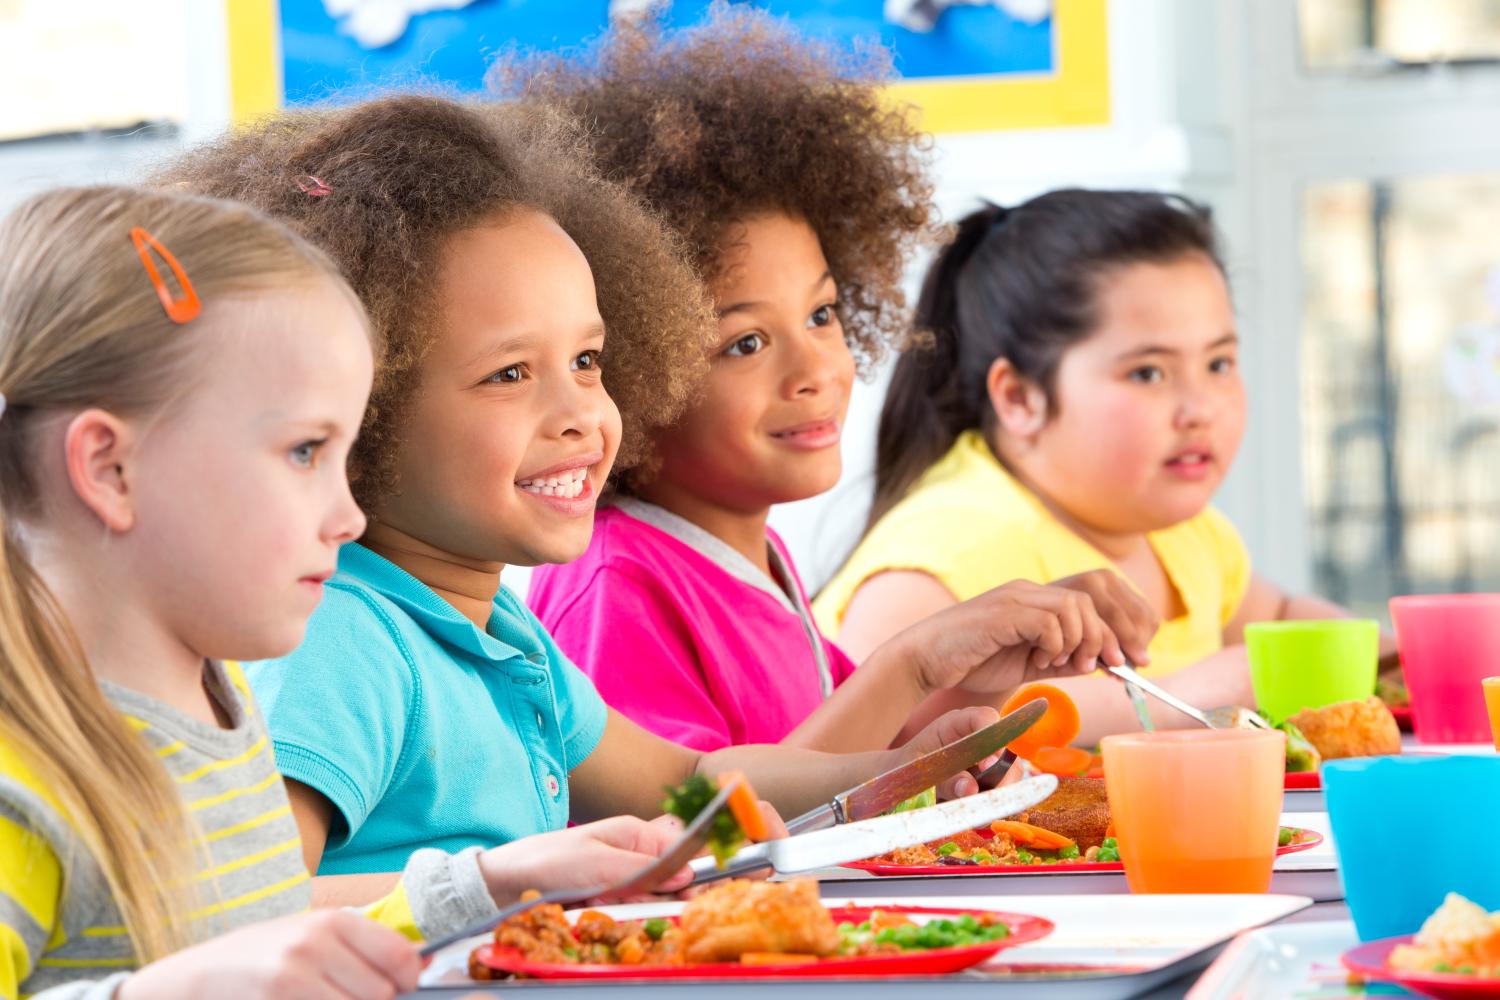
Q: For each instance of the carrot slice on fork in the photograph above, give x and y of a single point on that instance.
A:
(744, 806)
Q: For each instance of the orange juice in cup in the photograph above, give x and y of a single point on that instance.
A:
(1196, 810)
(1492, 702)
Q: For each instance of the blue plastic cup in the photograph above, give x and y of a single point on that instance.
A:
(1394, 878)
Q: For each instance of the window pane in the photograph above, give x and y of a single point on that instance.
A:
(1401, 385)
(1345, 34)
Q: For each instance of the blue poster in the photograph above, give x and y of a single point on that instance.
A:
(344, 49)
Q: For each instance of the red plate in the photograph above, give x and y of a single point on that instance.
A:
(1369, 960)
(1023, 929)
(1310, 839)
(1299, 780)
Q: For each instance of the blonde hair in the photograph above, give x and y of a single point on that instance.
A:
(81, 326)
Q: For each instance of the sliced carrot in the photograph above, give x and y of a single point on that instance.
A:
(1063, 761)
(1487, 948)
(1057, 727)
(1029, 835)
(775, 958)
(745, 806)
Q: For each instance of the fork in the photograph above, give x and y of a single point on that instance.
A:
(1218, 718)
(644, 880)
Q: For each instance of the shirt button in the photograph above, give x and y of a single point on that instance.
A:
(552, 786)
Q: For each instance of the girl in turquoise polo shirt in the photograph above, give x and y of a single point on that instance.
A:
(539, 322)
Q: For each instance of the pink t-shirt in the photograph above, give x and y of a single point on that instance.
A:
(686, 636)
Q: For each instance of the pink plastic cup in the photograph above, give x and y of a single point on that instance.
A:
(1449, 643)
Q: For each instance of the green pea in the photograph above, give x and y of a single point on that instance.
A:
(656, 927)
(1071, 851)
(1284, 836)
(949, 848)
(1025, 857)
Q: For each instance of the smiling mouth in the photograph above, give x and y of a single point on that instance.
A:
(567, 485)
(817, 432)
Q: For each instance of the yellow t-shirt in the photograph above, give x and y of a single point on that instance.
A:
(59, 923)
(973, 527)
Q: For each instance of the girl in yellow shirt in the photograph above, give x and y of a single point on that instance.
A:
(1077, 406)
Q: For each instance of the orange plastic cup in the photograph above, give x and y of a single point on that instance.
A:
(1492, 702)
(1196, 810)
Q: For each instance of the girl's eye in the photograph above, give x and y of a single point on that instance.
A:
(822, 316)
(750, 343)
(1147, 375)
(1221, 366)
(507, 376)
(305, 454)
(588, 361)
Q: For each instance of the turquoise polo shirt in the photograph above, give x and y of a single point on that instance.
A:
(421, 729)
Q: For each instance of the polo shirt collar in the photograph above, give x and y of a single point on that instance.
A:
(505, 639)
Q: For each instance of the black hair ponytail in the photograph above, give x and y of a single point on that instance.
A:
(924, 409)
(1018, 284)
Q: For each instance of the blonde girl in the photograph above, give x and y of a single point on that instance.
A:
(180, 384)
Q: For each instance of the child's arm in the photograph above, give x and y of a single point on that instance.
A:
(978, 652)
(889, 602)
(314, 815)
(1266, 602)
(630, 767)
(326, 953)
(30, 893)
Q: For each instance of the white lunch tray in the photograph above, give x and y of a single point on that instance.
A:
(1290, 960)
(1116, 947)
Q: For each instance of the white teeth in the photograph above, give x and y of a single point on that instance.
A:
(567, 485)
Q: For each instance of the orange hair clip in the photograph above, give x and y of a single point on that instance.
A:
(178, 310)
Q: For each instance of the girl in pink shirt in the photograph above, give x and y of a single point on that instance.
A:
(802, 197)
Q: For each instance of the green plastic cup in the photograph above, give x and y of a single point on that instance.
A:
(1309, 664)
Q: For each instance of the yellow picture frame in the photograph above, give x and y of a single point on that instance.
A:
(1075, 93)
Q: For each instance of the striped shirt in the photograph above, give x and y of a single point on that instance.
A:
(60, 930)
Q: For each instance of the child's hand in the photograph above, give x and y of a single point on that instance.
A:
(580, 857)
(322, 955)
(946, 728)
(1016, 633)
(1127, 614)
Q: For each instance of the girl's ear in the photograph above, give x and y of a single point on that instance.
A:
(97, 450)
(1020, 405)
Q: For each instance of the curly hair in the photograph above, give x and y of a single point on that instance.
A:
(740, 115)
(381, 185)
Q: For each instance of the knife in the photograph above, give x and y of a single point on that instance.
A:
(868, 838)
(884, 792)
